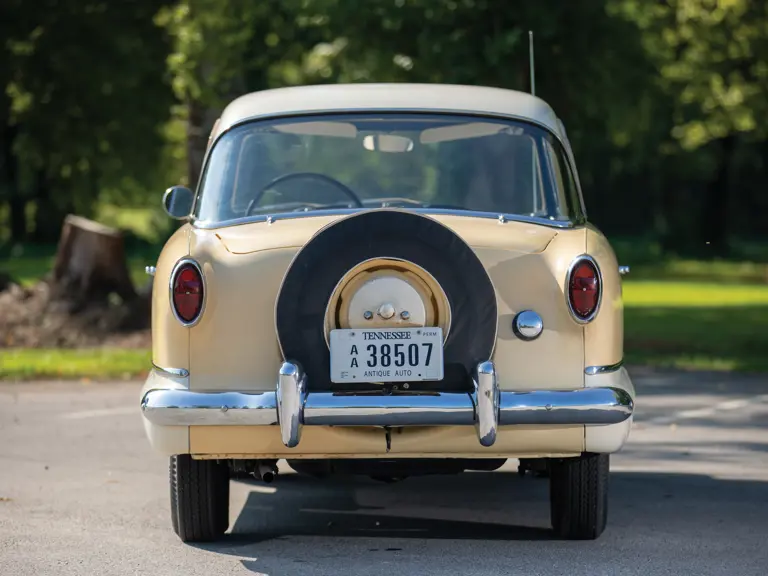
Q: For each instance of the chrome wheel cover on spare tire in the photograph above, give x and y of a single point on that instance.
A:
(406, 253)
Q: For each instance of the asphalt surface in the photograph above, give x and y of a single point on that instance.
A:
(82, 493)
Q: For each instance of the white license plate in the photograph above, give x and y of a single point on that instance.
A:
(386, 354)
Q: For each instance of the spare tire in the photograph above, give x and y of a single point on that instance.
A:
(317, 268)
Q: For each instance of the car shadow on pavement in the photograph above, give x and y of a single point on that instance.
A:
(278, 524)
(462, 506)
(419, 507)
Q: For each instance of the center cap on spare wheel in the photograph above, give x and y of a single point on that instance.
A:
(386, 311)
(385, 300)
(387, 293)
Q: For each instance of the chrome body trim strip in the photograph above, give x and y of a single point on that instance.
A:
(594, 370)
(178, 372)
(271, 218)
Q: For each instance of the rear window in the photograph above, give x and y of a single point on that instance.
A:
(420, 161)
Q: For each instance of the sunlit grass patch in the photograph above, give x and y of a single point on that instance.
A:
(696, 325)
(709, 294)
(95, 363)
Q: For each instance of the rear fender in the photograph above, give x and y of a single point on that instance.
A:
(536, 281)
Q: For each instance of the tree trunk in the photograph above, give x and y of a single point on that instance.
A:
(199, 125)
(17, 204)
(713, 234)
(90, 264)
(196, 142)
(49, 214)
(18, 216)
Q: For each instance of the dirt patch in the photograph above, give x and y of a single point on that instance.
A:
(30, 318)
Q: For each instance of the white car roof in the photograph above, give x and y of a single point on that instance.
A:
(396, 96)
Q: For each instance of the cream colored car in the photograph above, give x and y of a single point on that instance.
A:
(388, 280)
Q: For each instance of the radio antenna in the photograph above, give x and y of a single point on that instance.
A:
(530, 54)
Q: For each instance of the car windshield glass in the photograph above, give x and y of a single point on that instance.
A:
(418, 161)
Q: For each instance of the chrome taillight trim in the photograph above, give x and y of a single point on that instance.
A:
(576, 261)
(184, 261)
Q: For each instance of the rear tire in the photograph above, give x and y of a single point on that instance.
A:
(199, 498)
(578, 496)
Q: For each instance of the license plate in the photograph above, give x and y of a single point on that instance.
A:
(386, 354)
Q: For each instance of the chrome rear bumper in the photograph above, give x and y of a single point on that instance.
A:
(290, 406)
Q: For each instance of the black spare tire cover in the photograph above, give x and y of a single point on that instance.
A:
(333, 251)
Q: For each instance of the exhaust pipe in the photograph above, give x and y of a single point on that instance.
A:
(266, 471)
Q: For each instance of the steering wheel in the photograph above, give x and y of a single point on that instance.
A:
(310, 175)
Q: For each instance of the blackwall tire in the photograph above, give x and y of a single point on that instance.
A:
(578, 496)
(199, 498)
(317, 268)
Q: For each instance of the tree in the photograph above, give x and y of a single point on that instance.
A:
(87, 98)
(711, 56)
(224, 48)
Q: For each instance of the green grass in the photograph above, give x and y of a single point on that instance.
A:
(97, 364)
(693, 294)
(696, 325)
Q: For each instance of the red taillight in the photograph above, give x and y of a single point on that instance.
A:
(187, 293)
(584, 289)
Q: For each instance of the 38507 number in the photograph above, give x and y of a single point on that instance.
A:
(397, 355)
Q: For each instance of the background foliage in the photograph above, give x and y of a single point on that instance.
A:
(106, 103)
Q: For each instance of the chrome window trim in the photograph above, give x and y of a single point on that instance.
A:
(607, 369)
(179, 264)
(571, 267)
(271, 218)
(351, 111)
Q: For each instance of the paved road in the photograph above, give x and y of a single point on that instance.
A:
(81, 493)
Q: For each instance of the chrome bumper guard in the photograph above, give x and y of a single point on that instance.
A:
(290, 406)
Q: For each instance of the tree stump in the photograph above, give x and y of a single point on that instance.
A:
(90, 265)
